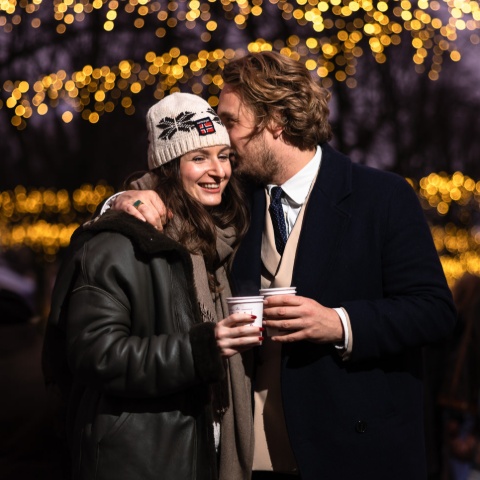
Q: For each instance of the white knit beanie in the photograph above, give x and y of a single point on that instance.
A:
(180, 123)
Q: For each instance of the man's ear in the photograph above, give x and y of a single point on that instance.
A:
(275, 129)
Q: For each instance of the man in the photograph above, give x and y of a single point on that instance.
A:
(338, 395)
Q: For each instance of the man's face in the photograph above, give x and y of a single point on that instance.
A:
(253, 154)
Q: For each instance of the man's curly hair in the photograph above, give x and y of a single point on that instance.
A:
(281, 91)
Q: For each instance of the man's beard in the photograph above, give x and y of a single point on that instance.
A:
(260, 166)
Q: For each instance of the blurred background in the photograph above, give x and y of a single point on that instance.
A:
(78, 76)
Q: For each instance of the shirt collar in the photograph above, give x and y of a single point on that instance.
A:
(297, 187)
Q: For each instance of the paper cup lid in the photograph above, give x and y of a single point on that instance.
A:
(257, 298)
(277, 290)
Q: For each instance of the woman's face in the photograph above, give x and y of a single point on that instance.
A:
(205, 173)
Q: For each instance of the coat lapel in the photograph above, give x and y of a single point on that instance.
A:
(247, 265)
(324, 226)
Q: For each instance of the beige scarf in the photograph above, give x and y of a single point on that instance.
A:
(236, 437)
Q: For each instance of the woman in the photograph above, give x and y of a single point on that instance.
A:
(147, 380)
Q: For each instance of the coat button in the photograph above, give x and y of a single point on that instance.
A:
(361, 426)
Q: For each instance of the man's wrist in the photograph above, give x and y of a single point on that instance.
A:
(343, 319)
(108, 203)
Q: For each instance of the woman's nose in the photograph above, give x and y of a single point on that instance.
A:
(217, 169)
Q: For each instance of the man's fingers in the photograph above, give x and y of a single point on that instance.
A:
(283, 306)
(145, 205)
(289, 325)
(291, 337)
(282, 312)
(155, 211)
(122, 201)
(159, 206)
(152, 216)
(129, 208)
(279, 300)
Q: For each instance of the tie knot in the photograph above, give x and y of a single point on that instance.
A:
(276, 193)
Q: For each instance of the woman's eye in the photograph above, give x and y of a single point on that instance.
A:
(224, 158)
(197, 159)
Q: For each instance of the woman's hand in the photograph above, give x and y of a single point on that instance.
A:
(236, 333)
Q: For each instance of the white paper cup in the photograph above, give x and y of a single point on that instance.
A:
(269, 292)
(250, 305)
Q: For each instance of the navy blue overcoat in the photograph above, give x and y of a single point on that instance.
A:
(364, 245)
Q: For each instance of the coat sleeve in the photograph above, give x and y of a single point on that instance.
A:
(103, 352)
(416, 307)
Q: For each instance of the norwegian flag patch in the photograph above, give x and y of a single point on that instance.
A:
(205, 126)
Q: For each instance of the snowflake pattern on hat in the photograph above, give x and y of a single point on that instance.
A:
(183, 123)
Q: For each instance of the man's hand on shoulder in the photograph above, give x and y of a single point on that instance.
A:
(145, 205)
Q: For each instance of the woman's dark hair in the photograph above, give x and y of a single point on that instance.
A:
(195, 225)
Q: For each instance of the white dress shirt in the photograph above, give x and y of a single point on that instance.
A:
(296, 190)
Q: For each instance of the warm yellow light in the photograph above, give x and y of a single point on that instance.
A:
(211, 26)
(455, 56)
(382, 6)
(93, 117)
(42, 109)
(67, 117)
(11, 102)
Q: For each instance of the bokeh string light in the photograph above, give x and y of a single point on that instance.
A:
(452, 204)
(329, 37)
(44, 219)
(337, 33)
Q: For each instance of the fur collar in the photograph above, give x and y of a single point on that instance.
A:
(143, 235)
